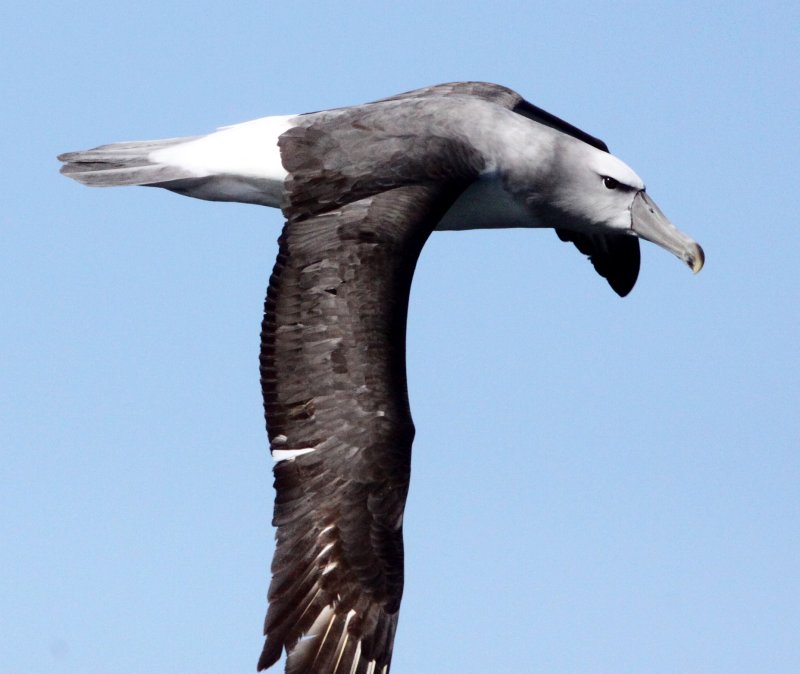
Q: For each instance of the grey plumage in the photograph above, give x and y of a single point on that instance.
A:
(120, 164)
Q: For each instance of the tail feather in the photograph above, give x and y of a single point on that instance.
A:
(235, 163)
(127, 163)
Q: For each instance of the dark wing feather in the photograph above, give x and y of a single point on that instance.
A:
(334, 383)
(615, 257)
(543, 117)
(340, 156)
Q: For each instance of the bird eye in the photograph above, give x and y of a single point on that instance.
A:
(610, 183)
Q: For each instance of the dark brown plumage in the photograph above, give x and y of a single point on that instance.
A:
(333, 377)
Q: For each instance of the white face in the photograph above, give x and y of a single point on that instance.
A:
(593, 189)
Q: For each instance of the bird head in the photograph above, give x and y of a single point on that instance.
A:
(593, 192)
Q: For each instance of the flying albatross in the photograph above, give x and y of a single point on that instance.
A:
(361, 189)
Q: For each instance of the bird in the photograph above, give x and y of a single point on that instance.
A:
(361, 189)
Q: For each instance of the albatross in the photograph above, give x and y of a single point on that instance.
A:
(361, 189)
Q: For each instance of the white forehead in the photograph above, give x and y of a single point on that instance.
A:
(606, 164)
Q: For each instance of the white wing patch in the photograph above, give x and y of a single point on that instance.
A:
(289, 454)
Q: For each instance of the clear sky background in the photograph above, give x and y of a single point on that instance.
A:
(599, 485)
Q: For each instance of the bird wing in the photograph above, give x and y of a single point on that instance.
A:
(335, 397)
(507, 98)
(615, 257)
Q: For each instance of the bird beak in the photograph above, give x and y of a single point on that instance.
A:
(648, 222)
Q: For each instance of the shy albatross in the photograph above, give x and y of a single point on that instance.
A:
(361, 189)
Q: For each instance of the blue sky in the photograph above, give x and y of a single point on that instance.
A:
(599, 485)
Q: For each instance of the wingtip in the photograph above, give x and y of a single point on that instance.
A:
(270, 654)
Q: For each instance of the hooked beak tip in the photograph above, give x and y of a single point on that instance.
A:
(696, 258)
(648, 222)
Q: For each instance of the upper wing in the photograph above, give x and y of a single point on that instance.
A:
(507, 98)
(335, 397)
(615, 257)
